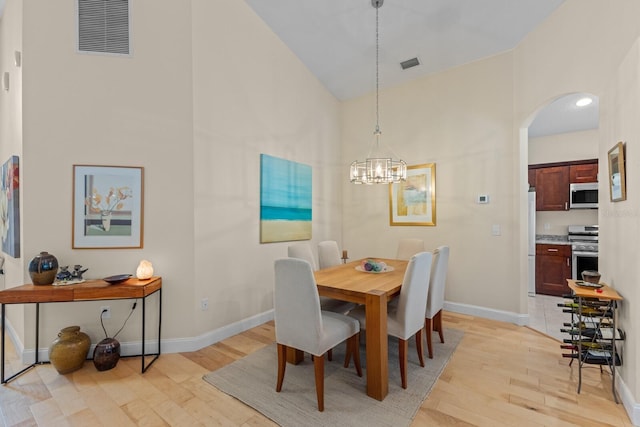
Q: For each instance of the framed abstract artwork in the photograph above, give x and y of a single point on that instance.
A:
(617, 179)
(10, 207)
(285, 200)
(413, 202)
(107, 207)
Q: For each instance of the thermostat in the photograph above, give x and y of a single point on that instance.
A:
(483, 198)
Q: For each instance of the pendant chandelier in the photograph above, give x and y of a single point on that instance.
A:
(379, 167)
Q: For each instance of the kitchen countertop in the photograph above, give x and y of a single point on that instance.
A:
(552, 239)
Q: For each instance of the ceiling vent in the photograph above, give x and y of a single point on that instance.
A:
(409, 63)
(103, 26)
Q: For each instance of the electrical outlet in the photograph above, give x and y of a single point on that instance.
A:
(105, 312)
(204, 304)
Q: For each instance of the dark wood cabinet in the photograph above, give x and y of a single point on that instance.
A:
(532, 177)
(552, 180)
(552, 188)
(553, 268)
(583, 173)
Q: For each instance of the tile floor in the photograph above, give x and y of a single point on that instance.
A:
(545, 315)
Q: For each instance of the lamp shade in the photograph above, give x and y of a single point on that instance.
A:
(144, 270)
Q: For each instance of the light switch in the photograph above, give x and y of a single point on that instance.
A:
(495, 230)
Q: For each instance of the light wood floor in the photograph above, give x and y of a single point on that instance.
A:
(500, 375)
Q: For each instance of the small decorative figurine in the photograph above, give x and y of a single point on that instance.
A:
(64, 274)
(78, 272)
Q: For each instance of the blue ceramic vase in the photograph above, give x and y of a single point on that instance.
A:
(43, 269)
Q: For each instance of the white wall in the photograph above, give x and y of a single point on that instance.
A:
(460, 119)
(195, 106)
(251, 96)
(619, 222)
(564, 147)
(110, 110)
(11, 134)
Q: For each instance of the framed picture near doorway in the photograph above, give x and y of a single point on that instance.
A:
(107, 207)
(617, 181)
(413, 202)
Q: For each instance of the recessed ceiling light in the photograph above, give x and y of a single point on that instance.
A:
(583, 102)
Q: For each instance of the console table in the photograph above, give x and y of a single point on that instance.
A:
(91, 290)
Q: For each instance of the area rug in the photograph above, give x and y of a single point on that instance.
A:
(252, 380)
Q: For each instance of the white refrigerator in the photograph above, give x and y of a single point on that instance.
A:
(532, 242)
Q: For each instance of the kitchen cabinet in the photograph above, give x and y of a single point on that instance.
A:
(552, 181)
(553, 268)
(552, 188)
(583, 173)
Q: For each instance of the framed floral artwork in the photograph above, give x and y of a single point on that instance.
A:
(413, 202)
(10, 207)
(617, 181)
(108, 204)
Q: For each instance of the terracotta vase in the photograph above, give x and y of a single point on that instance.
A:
(43, 269)
(69, 351)
(106, 354)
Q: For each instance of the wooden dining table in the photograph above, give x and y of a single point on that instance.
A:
(345, 282)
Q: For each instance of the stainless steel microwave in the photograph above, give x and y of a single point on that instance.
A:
(583, 196)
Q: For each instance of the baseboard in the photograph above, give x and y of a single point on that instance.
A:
(630, 405)
(488, 313)
(177, 345)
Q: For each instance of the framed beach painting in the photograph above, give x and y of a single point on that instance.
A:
(617, 181)
(285, 200)
(413, 202)
(107, 207)
(10, 207)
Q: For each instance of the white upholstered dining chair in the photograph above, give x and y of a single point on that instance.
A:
(405, 319)
(303, 251)
(302, 325)
(328, 254)
(435, 299)
(408, 247)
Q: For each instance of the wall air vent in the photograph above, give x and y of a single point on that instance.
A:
(409, 63)
(103, 26)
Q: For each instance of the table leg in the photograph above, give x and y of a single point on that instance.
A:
(377, 346)
(3, 344)
(294, 356)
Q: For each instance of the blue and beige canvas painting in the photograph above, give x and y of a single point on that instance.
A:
(285, 200)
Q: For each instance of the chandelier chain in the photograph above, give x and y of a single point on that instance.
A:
(377, 132)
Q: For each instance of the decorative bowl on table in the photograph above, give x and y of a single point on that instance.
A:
(117, 278)
(591, 276)
(373, 266)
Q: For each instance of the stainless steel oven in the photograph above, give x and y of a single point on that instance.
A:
(584, 249)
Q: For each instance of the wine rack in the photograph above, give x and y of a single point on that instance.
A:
(593, 338)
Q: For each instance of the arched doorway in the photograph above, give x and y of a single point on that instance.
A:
(565, 129)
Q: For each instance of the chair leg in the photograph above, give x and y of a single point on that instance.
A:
(419, 347)
(354, 344)
(330, 354)
(282, 364)
(318, 363)
(428, 327)
(403, 347)
(437, 325)
(347, 356)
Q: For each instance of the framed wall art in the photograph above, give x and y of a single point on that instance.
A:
(10, 207)
(413, 202)
(285, 200)
(108, 206)
(617, 179)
